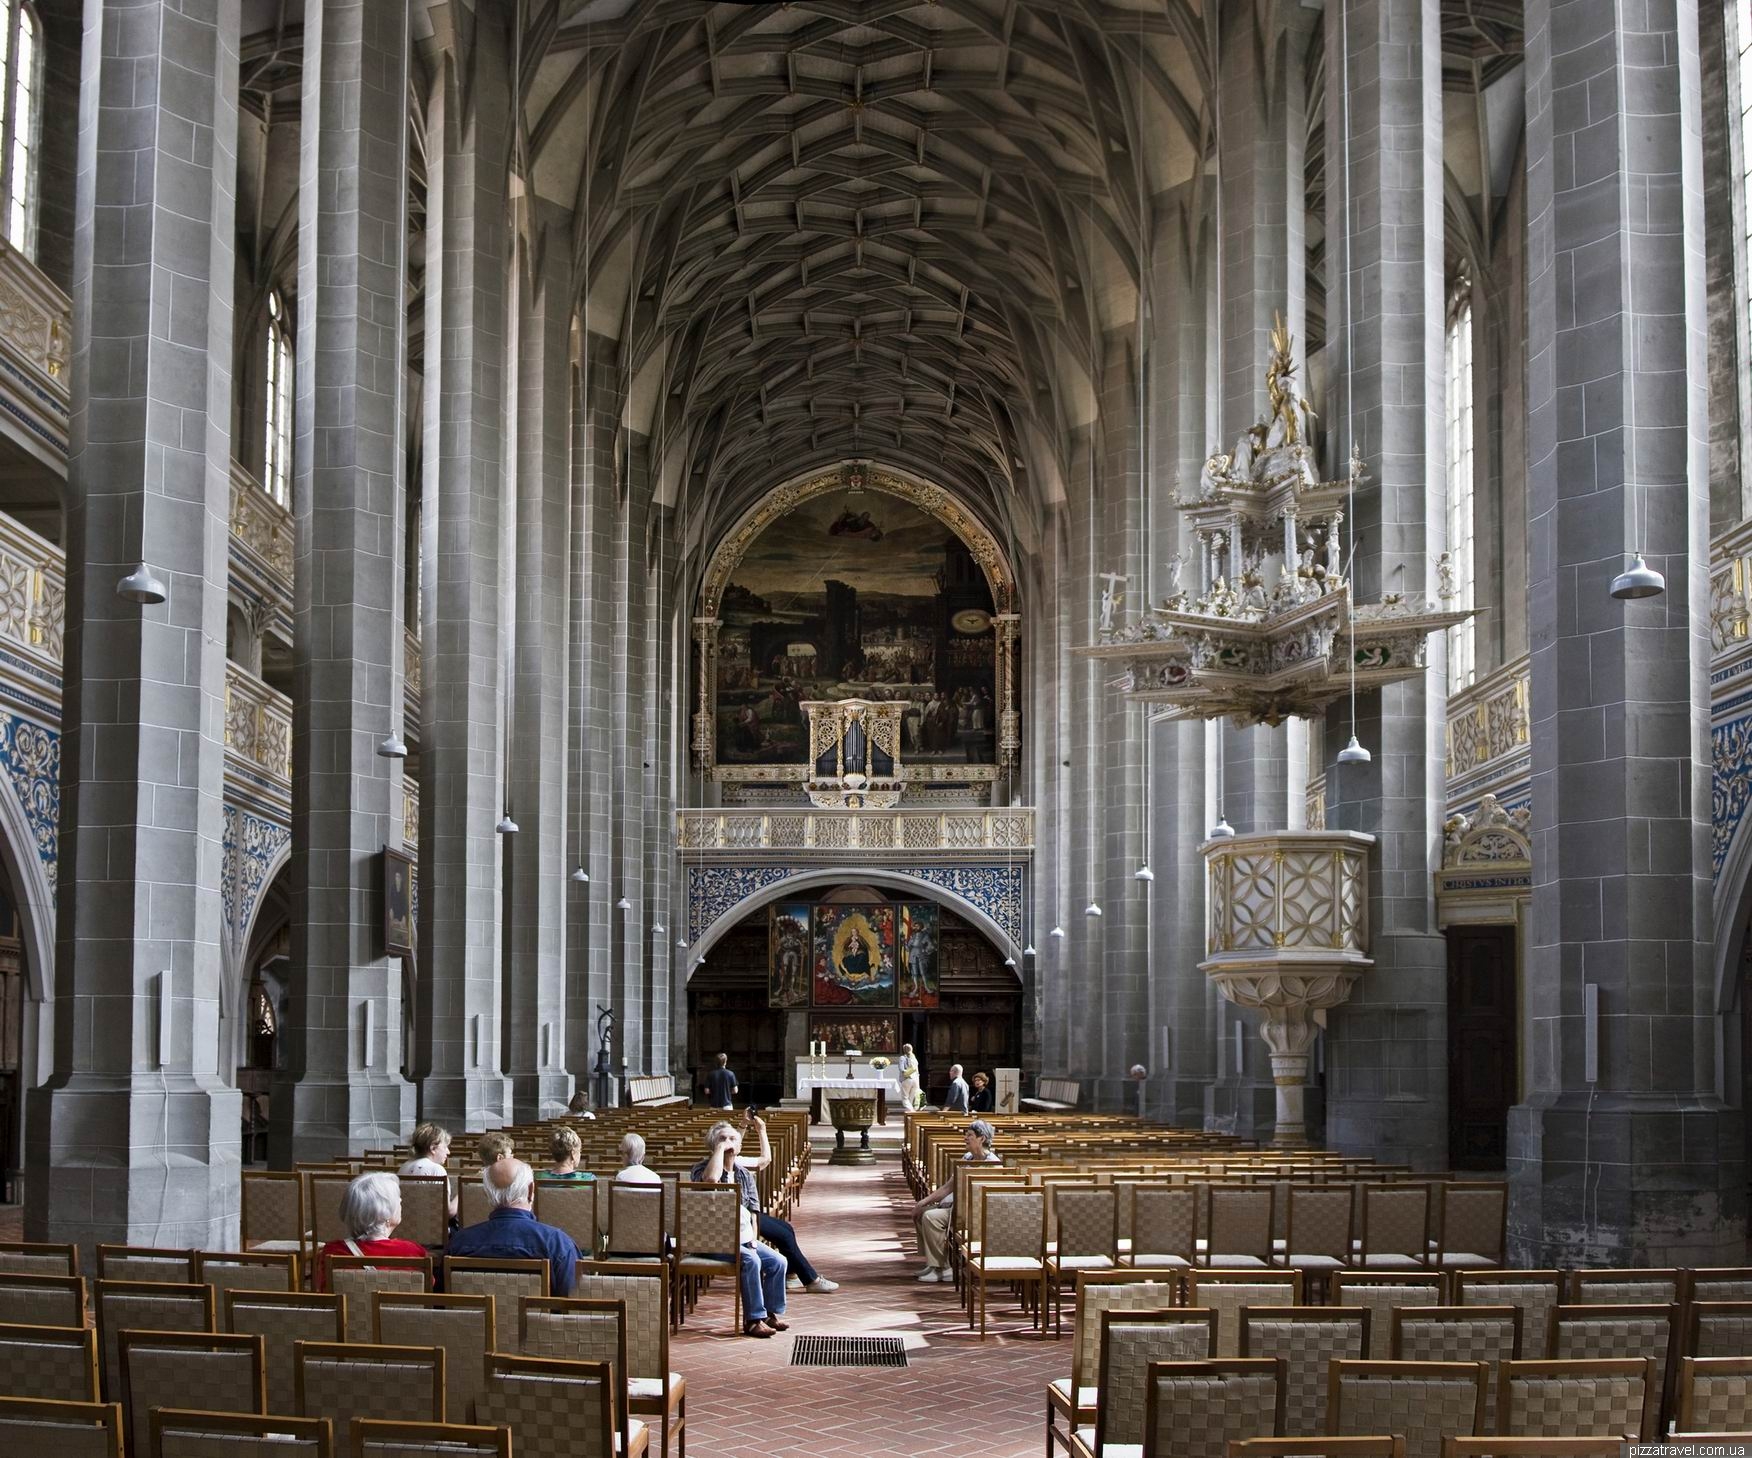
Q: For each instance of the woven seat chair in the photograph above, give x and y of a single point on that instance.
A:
(1686, 1443)
(1718, 1329)
(145, 1263)
(569, 1205)
(425, 1210)
(708, 1241)
(1536, 1293)
(375, 1438)
(65, 1429)
(1239, 1231)
(1474, 1224)
(1318, 1447)
(42, 1300)
(1074, 1397)
(359, 1278)
(144, 1306)
(1317, 1239)
(258, 1270)
(323, 1193)
(1164, 1226)
(344, 1380)
(282, 1319)
(635, 1222)
(1381, 1292)
(274, 1217)
(1422, 1402)
(1227, 1292)
(49, 1363)
(1656, 1287)
(1307, 1339)
(558, 1409)
(652, 1389)
(1011, 1250)
(1715, 1394)
(1706, 1283)
(1087, 1220)
(1488, 1334)
(1134, 1345)
(1498, 1447)
(1576, 1399)
(195, 1433)
(220, 1371)
(462, 1325)
(582, 1329)
(1196, 1409)
(473, 1206)
(1395, 1228)
(508, 1282)
(38, 1258)
(1582, 1332)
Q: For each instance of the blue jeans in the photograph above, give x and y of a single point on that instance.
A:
(763, 1283)
(778, 1234)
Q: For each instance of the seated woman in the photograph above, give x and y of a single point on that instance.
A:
(431, 1144)
(567, 1149)
(371, 1209)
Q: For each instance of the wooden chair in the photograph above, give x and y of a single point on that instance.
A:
(1474, 1223)
(195, 1433)
(583, 1329)
(145, 1263)
(1087, 1220)
(1317, 1237)
(378, 1438)
(49, 1363)
(1074, 1398)
(1012, 1245)
(1589, 1331)
(653, 1390)
(1715, 1394)
(1307, 1340)
(256, 1270)
(38, 1258)
(222, 1371)
(1131, 1341)
(65, 1429)
(359, 1278)
(1533, 1447)
(461, 1324)
(42, 1300)
(569, 1205)
(282, 1319)
(1706, 1283)
(323, 1192)
(343, 1380)
(1196, 1409)
(1319, 1447)
(1421, 1402)
(1536, 1293)
(473, 1206)
(1654, 1287)
(1164, 1226)
(508, 1282)
(1381, 1292)
(1227, 1292)
(1718, 1329)
(557, 1409)
(274, 1217)
(144, 1306)
(635, 1222)
(1577, 1399)
(425, 1209)
(1395, 1227)
(708, 1243)
(1239, 1233)
(1488, 1334)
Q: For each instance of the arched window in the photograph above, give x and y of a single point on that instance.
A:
(1462, 559)
(21, 67)
(277, 466)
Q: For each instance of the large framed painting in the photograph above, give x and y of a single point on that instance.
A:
(919, 927)
(854, 956)
(788, 969)
(398, 904)
(868, 1032)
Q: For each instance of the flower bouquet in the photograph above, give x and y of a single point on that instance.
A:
(879, 1063)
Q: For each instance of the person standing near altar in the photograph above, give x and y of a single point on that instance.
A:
(909, 1078)
(956, 1100)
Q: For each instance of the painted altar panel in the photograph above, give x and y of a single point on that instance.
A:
(788, 962)
(854, 956)
(920, 928)
(868, 1032)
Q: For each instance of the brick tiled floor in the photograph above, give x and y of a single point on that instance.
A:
(958, 1395)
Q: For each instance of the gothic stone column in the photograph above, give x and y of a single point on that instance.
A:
(461, 794)
(342, 1088)
(1643, 1164)
(1387, 1091)
(135, 1137)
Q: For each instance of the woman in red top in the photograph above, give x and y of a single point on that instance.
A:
(371, 1209)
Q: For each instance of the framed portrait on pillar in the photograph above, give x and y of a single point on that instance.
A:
(398, 904)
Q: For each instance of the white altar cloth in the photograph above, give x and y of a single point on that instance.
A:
(832, 1085)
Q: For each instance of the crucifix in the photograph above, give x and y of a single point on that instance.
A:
(1110, 596)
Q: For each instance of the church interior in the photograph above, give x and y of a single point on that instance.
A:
(905, 715)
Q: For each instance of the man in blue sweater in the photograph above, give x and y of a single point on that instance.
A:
(511, 1231)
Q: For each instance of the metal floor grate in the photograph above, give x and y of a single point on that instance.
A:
(844, 1351)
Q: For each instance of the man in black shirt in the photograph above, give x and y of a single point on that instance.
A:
(721, 1084)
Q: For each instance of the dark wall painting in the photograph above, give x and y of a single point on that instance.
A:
(854, 956)
(857, 595)
(868, 1032)
(919, 936)
(788, 965)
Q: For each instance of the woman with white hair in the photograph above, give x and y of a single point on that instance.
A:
(632, 1170)
(910, 1090)
(370, 1210)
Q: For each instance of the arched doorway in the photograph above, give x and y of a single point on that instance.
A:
(977, 1020)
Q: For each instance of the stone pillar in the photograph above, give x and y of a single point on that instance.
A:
(535, 991)
(462, 787)
(341, 1088)
(135, 1135)
(1386, 1069)
(1635, 1160)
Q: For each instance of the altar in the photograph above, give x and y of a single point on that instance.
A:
(818, 1081)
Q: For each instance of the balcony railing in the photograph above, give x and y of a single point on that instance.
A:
(868, 832)
(33, 594)
(258, 723)
(261, 524)
(1489, 732)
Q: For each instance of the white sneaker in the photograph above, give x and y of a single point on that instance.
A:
(821, 1286)
(929, 1276)
(793, 1283)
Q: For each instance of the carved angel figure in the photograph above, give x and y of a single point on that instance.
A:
(1445, 576)
(1286, 408)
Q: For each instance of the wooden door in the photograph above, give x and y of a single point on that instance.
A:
(1481, 1045)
